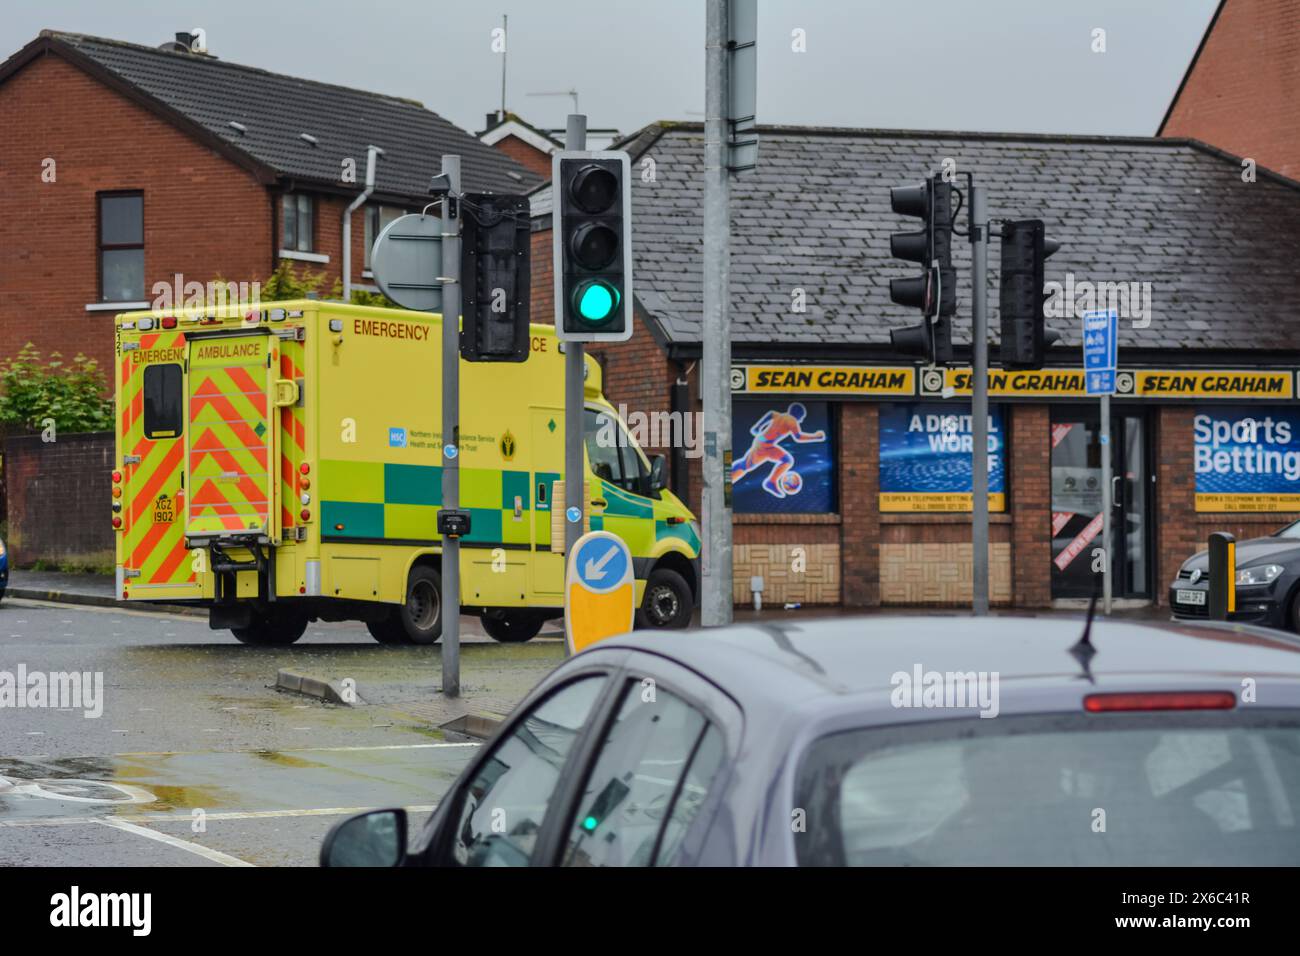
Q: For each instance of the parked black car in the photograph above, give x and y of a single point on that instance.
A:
(1268, 581)
(821, 743)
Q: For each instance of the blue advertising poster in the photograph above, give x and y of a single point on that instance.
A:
(1247, 459)
(925, 457)
(783, 460)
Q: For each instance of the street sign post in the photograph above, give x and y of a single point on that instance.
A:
(599, 590)
(1100, 363)
(407, 261)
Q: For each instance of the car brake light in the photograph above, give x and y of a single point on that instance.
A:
(304, 469)
(305, 514)
(117, 477)
(1161, 700)
(117, 521)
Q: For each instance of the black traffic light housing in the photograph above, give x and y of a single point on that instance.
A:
(495, 277)
(1025, 338)
(934, 291)
(591, 208)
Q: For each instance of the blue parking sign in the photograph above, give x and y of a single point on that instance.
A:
(1100, 350)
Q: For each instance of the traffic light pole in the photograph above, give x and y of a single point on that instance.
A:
(979, 406)
(575, 485)
(715, 370)
(451, 424)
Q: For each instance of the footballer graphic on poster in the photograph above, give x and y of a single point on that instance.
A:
(783, 457)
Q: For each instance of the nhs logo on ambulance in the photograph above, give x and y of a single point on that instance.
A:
(397, 437)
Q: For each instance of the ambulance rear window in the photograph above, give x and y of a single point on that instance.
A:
(162, 401)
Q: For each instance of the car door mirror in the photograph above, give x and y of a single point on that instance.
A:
(658, 467)
(376, 838)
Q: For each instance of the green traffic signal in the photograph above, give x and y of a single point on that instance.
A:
(595, 301)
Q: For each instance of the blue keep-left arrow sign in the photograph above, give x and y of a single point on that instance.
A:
(602, 563)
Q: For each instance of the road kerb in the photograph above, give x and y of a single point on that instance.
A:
(321, 688)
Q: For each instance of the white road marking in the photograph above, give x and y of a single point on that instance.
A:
(185, 817)
(216, 856)
(293, 750)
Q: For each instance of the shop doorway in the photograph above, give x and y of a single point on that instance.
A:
(1076, 502)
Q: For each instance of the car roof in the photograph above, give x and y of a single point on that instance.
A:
(841, 656)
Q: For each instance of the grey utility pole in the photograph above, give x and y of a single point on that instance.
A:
(715, 371)
(1107, 502)
(451, 423)
(979, 405)
(575, 369)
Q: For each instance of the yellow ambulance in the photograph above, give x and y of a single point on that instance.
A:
(280, 463)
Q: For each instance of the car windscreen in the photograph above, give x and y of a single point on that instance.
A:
(1175, 789)
(1290, 531)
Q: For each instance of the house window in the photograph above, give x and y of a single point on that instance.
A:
(377, 219)
(297, 212)
(121, 247)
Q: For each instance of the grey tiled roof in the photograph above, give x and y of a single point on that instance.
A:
(275, 109)
(1222, 256)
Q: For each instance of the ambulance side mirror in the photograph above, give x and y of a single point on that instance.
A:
(658, 465)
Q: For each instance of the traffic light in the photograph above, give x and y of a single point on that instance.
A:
(934, 291)
(592, 211)
(494, 277)
(1024, 337)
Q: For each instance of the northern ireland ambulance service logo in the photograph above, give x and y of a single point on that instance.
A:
(507, 446)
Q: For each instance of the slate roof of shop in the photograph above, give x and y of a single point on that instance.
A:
(1222, 256)
(205, 94)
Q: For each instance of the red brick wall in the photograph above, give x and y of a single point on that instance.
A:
(526, 155)
(1030, 473)
(638, 374)
(58, 499)
(1242, 93)
(542, 275)
(1181, 531)
(203, 215)
(859, 443)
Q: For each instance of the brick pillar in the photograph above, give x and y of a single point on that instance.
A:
(1030, 473)
(859, 447)
(1178, 534)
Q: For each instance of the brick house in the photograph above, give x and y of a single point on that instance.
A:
(526, 144)
(1201, 265)
(128, 166)
(1241, 88)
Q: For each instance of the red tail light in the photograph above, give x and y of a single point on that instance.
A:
(117, 522)
(1161, 700)
(169, 322)
(305, 514)
(117, 477)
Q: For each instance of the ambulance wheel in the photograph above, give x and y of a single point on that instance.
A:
(513, 627)
(667, 602)
(273, 629)
(387, 631)
(420, 618)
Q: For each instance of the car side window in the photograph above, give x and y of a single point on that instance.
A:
(504, 805)
(649, 779)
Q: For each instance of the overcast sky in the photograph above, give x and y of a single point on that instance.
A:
(1010, 65)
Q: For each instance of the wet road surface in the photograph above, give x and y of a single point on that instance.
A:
(193, 758)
